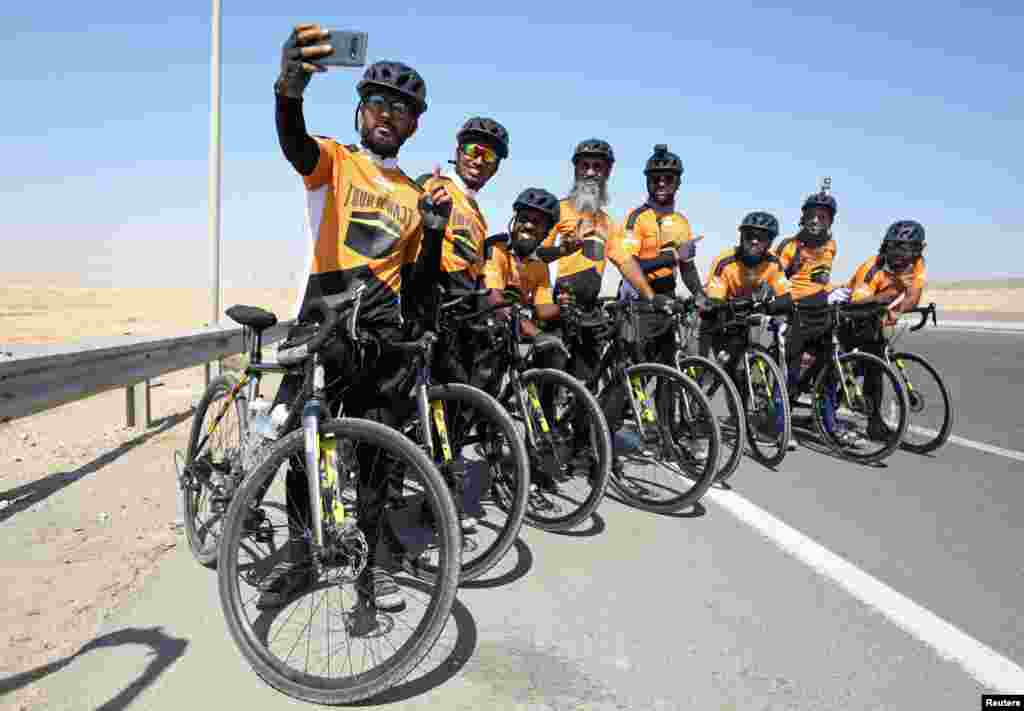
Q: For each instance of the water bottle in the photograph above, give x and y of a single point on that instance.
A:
(259, 418)
(279, 416)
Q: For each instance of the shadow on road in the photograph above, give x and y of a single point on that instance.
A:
(810, 440)
(166, 650)
(31, 494)
(447, 658)
(596, 527)
(524, 563)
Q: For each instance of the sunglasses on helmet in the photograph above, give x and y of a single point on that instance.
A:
(478, 150)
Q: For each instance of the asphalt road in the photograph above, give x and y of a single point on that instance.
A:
(699, 611)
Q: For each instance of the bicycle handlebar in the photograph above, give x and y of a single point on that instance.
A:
(924, 312)
(329, 308)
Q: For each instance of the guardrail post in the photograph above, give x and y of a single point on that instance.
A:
(137, 402)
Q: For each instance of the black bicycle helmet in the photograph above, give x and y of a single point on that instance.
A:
(594, 147)
(663, 161)
(905, 232)
(397, 77)
(488, 129)
(821, 199)
(761, 221)
(539, 199)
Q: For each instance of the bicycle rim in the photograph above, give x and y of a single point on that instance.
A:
(769, 420)
(486, 446)
(569, 423)
(662, 471)
(846, 429)
(328, 643)
(931, 408)
(726, 405)
(211, 468)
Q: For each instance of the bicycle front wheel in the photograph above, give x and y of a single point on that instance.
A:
(569, 446)
(769, 420)
(666, 446)
(488, 469)
(726, 404)
(861, 410)
(308, 619)
(931, 408)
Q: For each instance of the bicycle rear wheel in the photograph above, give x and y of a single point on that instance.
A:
(669, 459)
(860, 421)
(208, 477)
(931, 407)
(726, 404)
(569, 446)
(327, 642)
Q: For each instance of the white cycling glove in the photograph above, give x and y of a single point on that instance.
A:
(839, 296)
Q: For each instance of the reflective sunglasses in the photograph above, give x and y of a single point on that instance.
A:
(478, 150)
(378, 103)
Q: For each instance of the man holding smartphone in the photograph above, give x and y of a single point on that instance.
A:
(370, 223)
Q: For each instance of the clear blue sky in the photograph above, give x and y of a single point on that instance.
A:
(915, 109)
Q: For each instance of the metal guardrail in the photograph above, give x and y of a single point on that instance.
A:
(33, 384)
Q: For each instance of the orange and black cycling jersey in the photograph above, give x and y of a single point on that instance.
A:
(528, 278)
(646, 232)
(365, 226)
(873, 278)
(808, 268)
(730, 278)
(462, 251)
(582, 270)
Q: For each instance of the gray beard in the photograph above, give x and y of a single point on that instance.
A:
(588, 196)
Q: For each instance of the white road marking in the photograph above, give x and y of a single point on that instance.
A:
(1007, 328)
(987, 666)
(964, 442)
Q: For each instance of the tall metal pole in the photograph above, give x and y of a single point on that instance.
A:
(214, 186)
(215, 160)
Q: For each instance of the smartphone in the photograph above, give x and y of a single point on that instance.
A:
(349, 49)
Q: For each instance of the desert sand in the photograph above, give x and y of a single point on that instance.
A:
(32, 313)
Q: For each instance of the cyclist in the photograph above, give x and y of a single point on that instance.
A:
(369, 222)
(480, 146)
(660, 238)
(582, 240)
(897, 270)
(740, 272)
(806, 260)
(514, 266)
(896, 276)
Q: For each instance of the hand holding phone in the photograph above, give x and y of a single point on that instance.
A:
(311, 49)
(349, 49)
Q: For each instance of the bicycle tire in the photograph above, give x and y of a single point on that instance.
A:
(600, 438)
(302, 685)
(782, 442)
(499, 420)
(895, 436)
(205, 551)
(942, 434)
(630, 492)
(719, 379)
